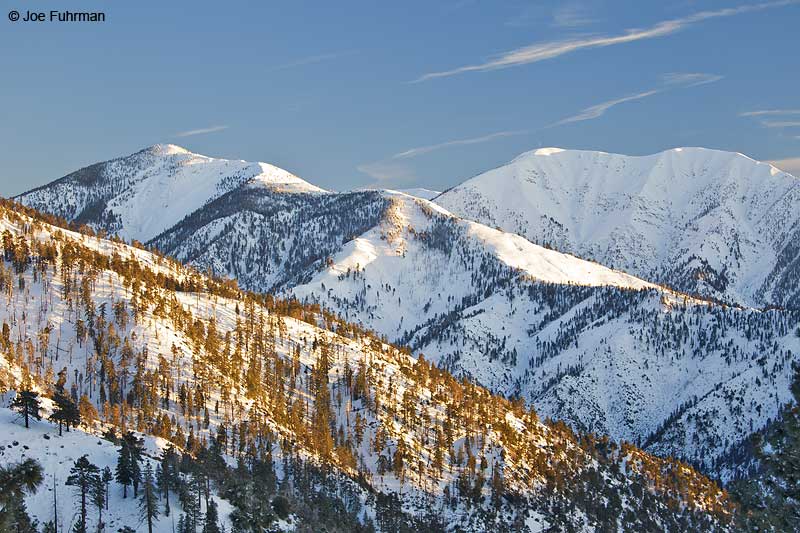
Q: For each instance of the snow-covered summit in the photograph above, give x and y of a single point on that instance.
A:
(142, 195)
(717, 223)
(166, 149)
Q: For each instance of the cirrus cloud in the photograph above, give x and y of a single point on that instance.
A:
(200, 131)
(551, 49)
(672, 80)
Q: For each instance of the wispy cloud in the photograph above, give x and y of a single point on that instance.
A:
(781, 123)
(310, 60)
(782, 117)
(551, 49)
(673, 80)
(770, 112)
(565, 15)
(414, 152)
(689, 79)
(201, 131)
(396, 171)
(598, 110)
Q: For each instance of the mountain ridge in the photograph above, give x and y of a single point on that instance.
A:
(119, 196)
(519, 318)
(277, 388)
(703, 221)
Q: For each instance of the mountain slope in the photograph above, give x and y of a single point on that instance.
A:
(163, 349)
(141, 195)
(269, 239)
(57, 453)
(702, 221)
(599, 348)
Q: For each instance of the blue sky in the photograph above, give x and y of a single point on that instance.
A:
(397, 94)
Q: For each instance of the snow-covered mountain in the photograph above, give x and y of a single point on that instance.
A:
(141, 195)
(298, 404)
(703, 221)
(600, 348)
(605, 351)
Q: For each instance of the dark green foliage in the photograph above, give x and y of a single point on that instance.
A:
(148, 503)
(281, 506)
(771, 500)
(84, 476)
(17, 480)
(211, 523)
(128, 471)
(26, 403)
(65, 411)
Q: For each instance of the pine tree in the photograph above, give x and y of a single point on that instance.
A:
(107, 478)
(65, 411)
(211, 525)
(86, 411)
(83, 476)
(16, 481)
(98, 493)
(498, 486)
(128, 471)
(148, 503)
(26, 403)
(124, 470)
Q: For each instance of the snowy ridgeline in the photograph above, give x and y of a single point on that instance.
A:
(141, 195)
(602, 349)
(705, 221)
(261, 379)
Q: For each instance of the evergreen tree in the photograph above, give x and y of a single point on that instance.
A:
(26, 403)
(124, 470)
(211, 525)
(128, 471)
(83, 476)
(65, 411)
(17, 480)
(98, 494)
(148, 503)
(771, 501)
(87, 413)
(107, 478)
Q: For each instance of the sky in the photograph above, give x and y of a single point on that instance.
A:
(395, 94)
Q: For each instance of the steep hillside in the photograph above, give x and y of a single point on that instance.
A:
(141, 195)
(596, 347)
(702, 221)
(602, 350)
(269, 239)
(333, 412)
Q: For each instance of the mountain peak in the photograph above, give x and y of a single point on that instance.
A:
(706, 221)
(166, 149)
(141, 195)
(548, 151)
